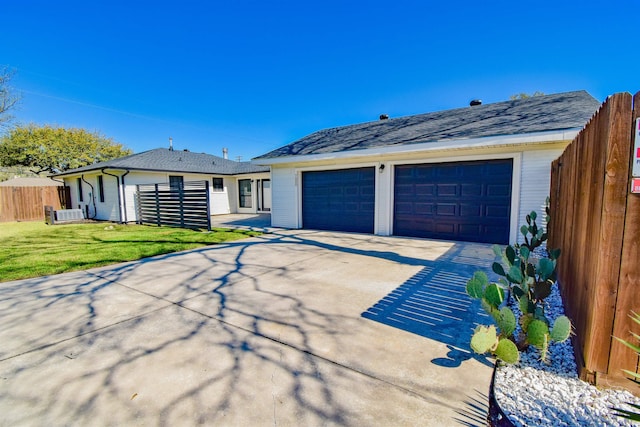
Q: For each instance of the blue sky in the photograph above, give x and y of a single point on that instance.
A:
(255, 75)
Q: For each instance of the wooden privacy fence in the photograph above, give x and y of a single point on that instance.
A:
(595, 221)
(27, 203)
(186, 205)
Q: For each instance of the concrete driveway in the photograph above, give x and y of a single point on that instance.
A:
(292, 328)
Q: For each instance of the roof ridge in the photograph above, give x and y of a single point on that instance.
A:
(558, 111)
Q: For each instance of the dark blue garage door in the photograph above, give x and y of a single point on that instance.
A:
(339, 200)
(466, 201)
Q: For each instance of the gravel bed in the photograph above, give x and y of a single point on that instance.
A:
(532, 393)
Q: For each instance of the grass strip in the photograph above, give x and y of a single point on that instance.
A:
(33, 249)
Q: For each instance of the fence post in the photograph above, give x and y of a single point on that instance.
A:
(208, 205)
(158, 221)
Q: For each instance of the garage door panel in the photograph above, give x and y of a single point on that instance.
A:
(368, 190)
(402, 190)
(447, 172)
(497, 211)
(445, 228)
(447, 190)
(498, 190)
(368, 207)
(446, 209)
(471, 190)
(339, 200)
(404, 208)
(424, 208)
(424, 189)
(468, 210)
(472, 200)
(470, 229)
(496, 229)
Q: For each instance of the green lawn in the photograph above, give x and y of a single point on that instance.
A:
(32, 249)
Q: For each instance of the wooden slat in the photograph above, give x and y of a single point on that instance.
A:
(613, 201)
(27, 203)
(596, 224)
(629, 287)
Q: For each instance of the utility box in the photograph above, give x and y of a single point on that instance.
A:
(52, 216)
(49, 215)
(69, 215)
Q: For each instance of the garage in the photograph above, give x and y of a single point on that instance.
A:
(465, 201)
(339, 200)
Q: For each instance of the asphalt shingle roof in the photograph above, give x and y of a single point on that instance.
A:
(535, 114)
(165, 160)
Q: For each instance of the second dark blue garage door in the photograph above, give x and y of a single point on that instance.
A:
(339, 200)
(466, 201)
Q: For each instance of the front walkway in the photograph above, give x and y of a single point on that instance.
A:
(289, 328)
(256, 222)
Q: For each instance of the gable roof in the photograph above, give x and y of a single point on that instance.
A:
(560, 111)
(165, 160)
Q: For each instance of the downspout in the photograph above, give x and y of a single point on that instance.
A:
(64, 186)
(93, 198)
(119, 197)
(56, 180)
(124, 194)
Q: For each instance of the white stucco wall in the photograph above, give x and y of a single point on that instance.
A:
(107, 210)
(221, 202)
(284, 201)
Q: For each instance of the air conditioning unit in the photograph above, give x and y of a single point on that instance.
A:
(70, 215)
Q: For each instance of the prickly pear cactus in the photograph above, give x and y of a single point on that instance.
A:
(530, 280)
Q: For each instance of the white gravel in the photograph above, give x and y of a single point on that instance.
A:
(532, 393)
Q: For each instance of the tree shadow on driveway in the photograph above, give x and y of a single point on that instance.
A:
(252, 332)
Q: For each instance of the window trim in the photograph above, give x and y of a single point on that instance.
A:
(80, 195)
(100, 188)
(216, 189)
(244, 197)
(179, 186)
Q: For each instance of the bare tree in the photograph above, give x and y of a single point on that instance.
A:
(8, 99)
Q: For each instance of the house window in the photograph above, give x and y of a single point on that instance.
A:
(218, 185)
(176, 183)
(80, 197)
(245, 193)
(101, 188)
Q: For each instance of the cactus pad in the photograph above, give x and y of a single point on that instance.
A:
(507, 351)
(494, 295)
(476, 285)
(561, 329)
(484, 339)
(506, 322)
(538, 333)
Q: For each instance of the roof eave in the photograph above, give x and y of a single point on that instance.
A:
(124, 169)
(450, 144)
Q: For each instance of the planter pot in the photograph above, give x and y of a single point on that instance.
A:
(496, 417)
